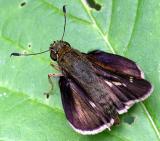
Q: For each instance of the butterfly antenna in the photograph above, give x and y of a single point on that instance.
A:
(64, 11)
(21, 54)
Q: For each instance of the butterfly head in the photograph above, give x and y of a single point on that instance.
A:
(56, 48)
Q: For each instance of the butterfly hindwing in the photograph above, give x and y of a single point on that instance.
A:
(81, 112)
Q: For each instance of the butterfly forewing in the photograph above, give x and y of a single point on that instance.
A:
(125, 79)
(115, 63)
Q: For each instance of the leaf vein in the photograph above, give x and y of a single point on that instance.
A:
(133, 29)
(104, 37)
(151, 120)
(51, 6)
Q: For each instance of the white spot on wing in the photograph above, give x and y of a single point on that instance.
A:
(109, 83)
(131, 79)
(124, 85)
(117, 83)
(92, 104)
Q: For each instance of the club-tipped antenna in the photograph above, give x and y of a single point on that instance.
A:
(21, 54)
(64, 11)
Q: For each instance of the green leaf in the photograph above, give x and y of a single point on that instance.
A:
(126, 27)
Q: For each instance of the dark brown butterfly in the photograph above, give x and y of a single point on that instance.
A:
(96, 87)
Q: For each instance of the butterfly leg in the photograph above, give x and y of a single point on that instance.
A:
(55, 66)
(50, 76)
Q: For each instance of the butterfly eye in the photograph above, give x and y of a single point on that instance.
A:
(53, 55)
